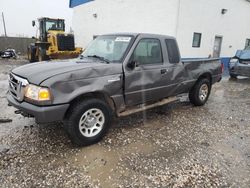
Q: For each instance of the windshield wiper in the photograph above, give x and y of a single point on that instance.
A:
(99, 57)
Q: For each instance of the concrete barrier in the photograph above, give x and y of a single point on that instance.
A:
(20, 44)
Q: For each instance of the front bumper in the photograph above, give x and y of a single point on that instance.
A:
(42, 114)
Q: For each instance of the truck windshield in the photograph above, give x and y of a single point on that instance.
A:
(111, 48)
(54, 25)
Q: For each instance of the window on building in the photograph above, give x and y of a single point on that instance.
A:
(148, 51)
(196, 40)
(247, 46)
(173, 52)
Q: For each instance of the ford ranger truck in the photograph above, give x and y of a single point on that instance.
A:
(117, 74)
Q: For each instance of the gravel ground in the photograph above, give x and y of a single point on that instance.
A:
(177, 145)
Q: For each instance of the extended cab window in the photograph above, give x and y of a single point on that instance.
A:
(148, 51)
(173, 52)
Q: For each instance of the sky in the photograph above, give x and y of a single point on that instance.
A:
(19, 14)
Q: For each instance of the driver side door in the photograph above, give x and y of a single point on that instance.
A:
(144, 83)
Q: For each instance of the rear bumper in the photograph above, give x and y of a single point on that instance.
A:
(42, 114)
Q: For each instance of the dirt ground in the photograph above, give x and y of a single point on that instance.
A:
(177, 145)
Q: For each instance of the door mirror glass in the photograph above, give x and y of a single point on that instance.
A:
(33, 23)
(132, 64)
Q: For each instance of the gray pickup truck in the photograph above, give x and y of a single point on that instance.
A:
(117, 74)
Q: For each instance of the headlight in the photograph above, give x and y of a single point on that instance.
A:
(37, 93)
(233, 60)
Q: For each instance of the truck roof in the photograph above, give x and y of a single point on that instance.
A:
(148, 35)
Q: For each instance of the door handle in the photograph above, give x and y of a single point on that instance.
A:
(163, 71)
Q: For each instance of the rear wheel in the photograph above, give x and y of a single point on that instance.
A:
(88, 121)
(199, 94)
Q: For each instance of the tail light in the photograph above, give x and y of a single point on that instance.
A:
(222, 67)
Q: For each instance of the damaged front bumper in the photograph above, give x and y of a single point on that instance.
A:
(42, 114)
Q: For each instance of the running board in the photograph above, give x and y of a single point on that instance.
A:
(146, 107)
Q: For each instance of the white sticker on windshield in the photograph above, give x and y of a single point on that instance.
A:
(122, 39)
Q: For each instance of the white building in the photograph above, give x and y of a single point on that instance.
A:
(202, 27)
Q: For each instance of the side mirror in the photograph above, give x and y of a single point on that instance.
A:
(33, 23)
(132, 64)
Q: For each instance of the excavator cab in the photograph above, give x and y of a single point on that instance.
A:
(53, 42)
(48, 24)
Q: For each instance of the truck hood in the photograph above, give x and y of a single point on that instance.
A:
(36, 73)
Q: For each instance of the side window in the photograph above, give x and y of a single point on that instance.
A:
(196, 40)
(148, 51)
(247, 45)
(173, 52)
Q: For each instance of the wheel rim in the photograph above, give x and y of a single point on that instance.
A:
(203, 93)
(91, 122)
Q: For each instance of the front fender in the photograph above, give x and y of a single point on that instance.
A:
(66, 91)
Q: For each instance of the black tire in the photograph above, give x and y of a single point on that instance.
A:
(195, 97)
(32, 54)
(76, 113)
(233, 75)
(42, 55)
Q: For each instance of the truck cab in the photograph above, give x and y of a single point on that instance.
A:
(47, 25)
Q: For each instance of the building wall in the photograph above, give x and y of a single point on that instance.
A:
(205, 17)
(179, 18)
(158, 16)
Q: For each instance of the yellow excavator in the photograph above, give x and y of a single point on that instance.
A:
(53, 42)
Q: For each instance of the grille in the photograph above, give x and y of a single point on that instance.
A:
(65, 42)
(16, 86)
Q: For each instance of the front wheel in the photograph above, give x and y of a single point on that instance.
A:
(32, 54)
(234, 76)
(42, 55)
(88, 121)
(199, 94)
